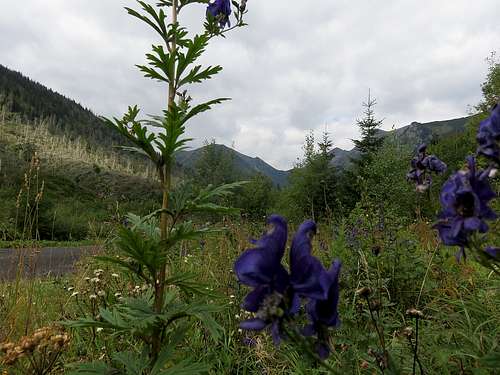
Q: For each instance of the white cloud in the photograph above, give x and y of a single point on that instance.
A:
(296, 67)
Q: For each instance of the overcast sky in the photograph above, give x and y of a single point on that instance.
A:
(299, 65)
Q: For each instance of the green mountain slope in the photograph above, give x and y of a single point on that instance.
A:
(410, 135)
(245, 165)
(32, 101)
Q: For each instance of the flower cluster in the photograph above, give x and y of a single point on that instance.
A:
(422, 166)
(220, 10)
(464, 199)
(276, 296)
(466, 196)
(488, 136)
(46, 344)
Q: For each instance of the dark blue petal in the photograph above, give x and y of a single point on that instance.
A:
(261, 265)
(220, 8)
(323, 350)
(254, 299)
(275, 333)
(309, 330)
(307, 274)
(325, 312)
(256, 267)
(493, 252)
(253, 324)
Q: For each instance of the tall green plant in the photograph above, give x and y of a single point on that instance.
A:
(152, 320)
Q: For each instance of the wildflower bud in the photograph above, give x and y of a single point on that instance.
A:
(415, 313)
(101, 293)
(93, 296)
(6, 346)
(493, 173)
(375, 305)
(421, 188)
(364, 292)
(408, 332)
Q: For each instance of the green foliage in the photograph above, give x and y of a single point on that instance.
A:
(370, 141)
(312, 183)
(155, 319)
(255, 198)
(491, 86)
(31, 101)
(215, 166)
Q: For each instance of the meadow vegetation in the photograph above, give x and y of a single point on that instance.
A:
(164, 295)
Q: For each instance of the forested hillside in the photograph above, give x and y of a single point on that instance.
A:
(31, 101)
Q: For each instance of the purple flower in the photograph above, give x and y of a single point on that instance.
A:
(324, 313)
(422, 165)
(433, 164)
(220, 10)
(308, 277)
(464, 199)
(276, 294)
(493, 252)
(488, 136)
(261, 268)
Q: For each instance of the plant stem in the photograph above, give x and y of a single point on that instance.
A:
(416, 346)
(165, 177)
(426, 274)
(304, 344)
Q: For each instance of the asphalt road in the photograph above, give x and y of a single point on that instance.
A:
(49, 261)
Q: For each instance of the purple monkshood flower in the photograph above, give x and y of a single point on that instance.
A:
(464, 200)
(488, 136)
(276, 293)
(493, 252)
(324, 313)
(422, 165)
(221, 10)
(433, 164)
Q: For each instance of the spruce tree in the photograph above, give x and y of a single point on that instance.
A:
(369, 126)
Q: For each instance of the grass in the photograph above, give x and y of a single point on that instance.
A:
(403, 264)
(460, 304)
(83, 192)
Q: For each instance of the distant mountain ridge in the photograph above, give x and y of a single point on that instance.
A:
(32, 100)
(246, 165)
(409, 135)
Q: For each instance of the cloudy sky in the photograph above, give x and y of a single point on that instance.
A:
(299, 65)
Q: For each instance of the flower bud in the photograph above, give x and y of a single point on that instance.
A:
(414, 313)
(364, 291)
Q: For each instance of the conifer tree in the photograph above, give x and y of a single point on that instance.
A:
(369, 126)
